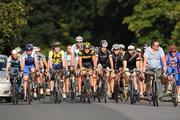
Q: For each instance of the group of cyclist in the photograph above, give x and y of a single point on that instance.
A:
(83, 55)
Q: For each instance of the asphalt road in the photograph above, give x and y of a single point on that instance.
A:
(46, 110)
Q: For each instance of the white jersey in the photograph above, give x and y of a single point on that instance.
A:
(75, 50)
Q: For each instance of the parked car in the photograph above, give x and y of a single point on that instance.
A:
(5, 85)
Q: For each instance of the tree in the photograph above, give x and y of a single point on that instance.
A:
(12, 18)
(155, 19)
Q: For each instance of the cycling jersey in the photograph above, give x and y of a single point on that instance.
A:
(131, 60)
(117, 60)
(103, 58)
(40, 58)
(173, 61)
(29, 59)
(76, 50)
(173, 66)
(56, 57)
(87, 61)
(67, 57)
(15, 63)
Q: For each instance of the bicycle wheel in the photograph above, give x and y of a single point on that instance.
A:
(155, 93)
(116, 91)
(14, 91)
(174, 95)
(104, 90)
(132, 99)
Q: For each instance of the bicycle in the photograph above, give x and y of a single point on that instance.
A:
(118, 91)
(58, 86)
(73, 84)
(30, 86)
(102, 86)
(134, 95)
(172, 91)
(15, 86)
(86, 92)
(154, 96)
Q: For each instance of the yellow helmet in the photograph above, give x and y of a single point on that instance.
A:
(86, 45)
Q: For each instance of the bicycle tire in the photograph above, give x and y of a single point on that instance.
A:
(132, 92)
(174, 95)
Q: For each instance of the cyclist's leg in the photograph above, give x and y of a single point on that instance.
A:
(135, 81)
(177, 80)
(112, 78)
(25, 80)
(94, 80)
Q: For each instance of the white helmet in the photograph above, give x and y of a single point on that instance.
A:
(36, 49)
(103, 43)
(121, 46)
(79, 39)
(115, 46)
(18, 49)
(14, 52)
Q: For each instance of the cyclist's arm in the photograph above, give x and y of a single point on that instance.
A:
(163, 59)
(164, 63)
(22, 63)
(80, 62)
(8, 65)
(144, 63)
(111, 62)
(72, 59)
(124, 65)
(36, 64)
(95, 60)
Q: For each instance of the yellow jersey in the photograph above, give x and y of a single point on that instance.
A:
(56, 57)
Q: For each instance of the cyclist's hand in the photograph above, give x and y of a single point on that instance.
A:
(37, 73)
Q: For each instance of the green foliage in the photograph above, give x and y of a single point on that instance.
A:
(12, 17)
(155, 19)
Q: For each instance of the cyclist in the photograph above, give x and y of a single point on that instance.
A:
(86, 60)
(55, 63)
(13, 65)
(103, 60)
(173, 66)
(68, 64)
(140, 68)
(75, 49)
(130, 63)
(29, 64)
(154, 57)
(42, 67)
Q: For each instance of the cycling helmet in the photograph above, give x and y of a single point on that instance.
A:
(86, 45)
(35, 49)
(18, 49)
(29, 47)
(172, 48)
(121, 46)
(56, 43)
(131, 47)
(79, 39)
(115, 46)
(138, 50)
(103, 43)
(13, 52)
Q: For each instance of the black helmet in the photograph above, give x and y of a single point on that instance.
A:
(103, 43)
(56, 43)
(29, 47)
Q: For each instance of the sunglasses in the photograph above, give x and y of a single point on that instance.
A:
(116, 49)
(130, 50)
(173, 52)
(79, 42)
